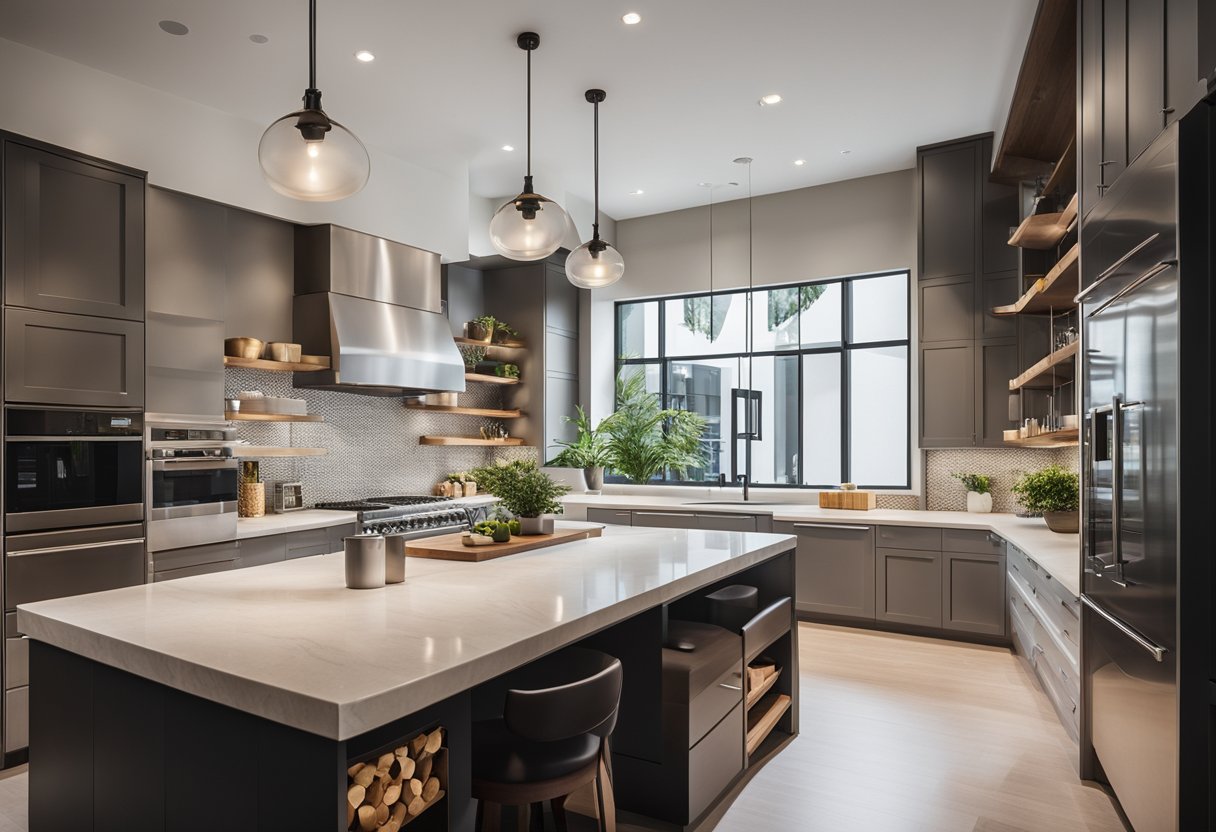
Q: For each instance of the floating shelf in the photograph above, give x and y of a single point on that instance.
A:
(1063, 177)
(489, 379)
(238, 416)
(320, 362)
(762, 719)
(1054, 292)
(275, 451)
(757, 693)
(469, 440)
(1044, 231)
(1055, 439)
(505, 345)
(1046, 368)
(468, 411)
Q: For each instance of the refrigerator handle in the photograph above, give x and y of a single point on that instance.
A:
(1157, 651)
(1116, 487)
(1100, 443)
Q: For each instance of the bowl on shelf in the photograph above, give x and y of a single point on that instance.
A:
(243, 347)
(283, 351)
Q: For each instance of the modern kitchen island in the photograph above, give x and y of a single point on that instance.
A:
(239, 700)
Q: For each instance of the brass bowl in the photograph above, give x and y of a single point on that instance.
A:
(243, 347)
(283, 351)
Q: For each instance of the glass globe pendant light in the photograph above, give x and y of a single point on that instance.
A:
(531, 226)
(595, 264)
(306, 154)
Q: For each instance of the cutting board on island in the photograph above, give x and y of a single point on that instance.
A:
(450, 547)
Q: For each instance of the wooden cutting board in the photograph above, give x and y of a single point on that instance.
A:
(449, 546)
(856, 500)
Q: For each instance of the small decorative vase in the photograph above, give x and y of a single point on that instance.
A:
(594, 478)
(979, 503)
(478, 332)
(1063, 522)
(535, 525)
(251, 499)
(470, 488)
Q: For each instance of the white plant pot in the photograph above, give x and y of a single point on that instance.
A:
(536, 525)
(979, 503)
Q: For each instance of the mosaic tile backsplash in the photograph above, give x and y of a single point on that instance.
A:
(373, 442)
(1004, 465)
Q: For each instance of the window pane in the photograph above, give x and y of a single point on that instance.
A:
(880, 309)
(819, 314)
(878, 416)
(821, 419)
(775, 319)
(705, 387)
(637, 330)
(774, 456)
(692, 330)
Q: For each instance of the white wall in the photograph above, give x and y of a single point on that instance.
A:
(188, 147)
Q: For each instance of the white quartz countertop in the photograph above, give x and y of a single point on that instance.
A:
(1059, 554)
(288, 642)
(292, 521)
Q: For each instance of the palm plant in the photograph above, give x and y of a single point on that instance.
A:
(589, 450)
(645, 438)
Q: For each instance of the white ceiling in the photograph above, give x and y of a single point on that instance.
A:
(876, 77)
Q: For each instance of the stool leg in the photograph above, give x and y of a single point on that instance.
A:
(559, 813)
(523, 814)
(538, 818)
(607, 800)
(492, 821)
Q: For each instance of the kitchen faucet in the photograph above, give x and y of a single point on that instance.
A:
(741, 479)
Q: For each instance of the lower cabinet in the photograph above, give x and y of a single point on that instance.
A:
(610, 516)
(973, 593)
(665, 519)
(834, 568)
(248, 551)
(710, 521)
(908, 587)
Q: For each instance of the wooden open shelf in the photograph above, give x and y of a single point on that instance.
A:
(755, 694)
(469, 440)
(275, 451)
(1043, 231)
(763, 718)
(238, 416)
(1063, 179)
(486, 378)
(505, 345)
(1055, 439)
(468, 411)
(1046, 368)
(321, 363)
(1054, 292)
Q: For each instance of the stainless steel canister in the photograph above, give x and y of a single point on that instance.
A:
(365, 561)
(394, 559)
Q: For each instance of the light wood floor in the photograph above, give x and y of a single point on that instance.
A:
(899, 734)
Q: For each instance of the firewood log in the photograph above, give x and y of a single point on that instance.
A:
(355, 795)
(393, 793)
(415, 787)
(385, 760)
(417, 744)
(417, 805)
(408, 767)
(433, 741)
(430, 789)
(365, 776)
(382, 814)
(353, 770)
(425, 765)
(367, 818)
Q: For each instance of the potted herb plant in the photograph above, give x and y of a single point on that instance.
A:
(481, 328)
(589, 452)
(525, 491)
(472, 356)
(979, 492)
(1055, 493)
(504, 334)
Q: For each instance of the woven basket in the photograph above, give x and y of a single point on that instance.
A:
(251, 499)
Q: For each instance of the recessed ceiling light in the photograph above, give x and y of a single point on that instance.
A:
(800, 162)
(845, 152)
(508, 147)
(173, 27)
(259, 38)
(638, 192)
(364, 56)
(631, 18)
(770, 99)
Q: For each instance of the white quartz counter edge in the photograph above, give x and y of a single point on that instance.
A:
(1059, 554)
(292, 521)
(279, 643)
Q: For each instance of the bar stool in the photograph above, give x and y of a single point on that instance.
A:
(550, 742)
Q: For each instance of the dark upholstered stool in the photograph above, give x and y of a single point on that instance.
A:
(733, 606)
(549, 743)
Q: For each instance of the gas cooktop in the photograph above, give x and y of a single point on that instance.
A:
(404, 514)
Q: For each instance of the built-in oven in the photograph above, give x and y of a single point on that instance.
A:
(192, 480)
(73, 523)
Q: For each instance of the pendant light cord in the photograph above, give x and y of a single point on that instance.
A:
(312, 44)
(595, 223)
(529, 114)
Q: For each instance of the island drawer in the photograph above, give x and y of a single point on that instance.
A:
(768, 625)
(715, 761)
(174, 560)
(910, 537)
(307, 543)
(610, 516)
(16, 719)
(972, 542)
(16, 662)
(709, 706)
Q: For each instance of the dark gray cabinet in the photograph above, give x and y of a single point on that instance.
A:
(947, 394)
(256, 551)
(908, 587)
(73, 233)
(949, 177)
(307, 543)
(834, 568)
(610, 516)
(728, 522)
(996, 361)
(78, 360)
(338, 535)
(665, 519)
(947, 309)
(973, 593)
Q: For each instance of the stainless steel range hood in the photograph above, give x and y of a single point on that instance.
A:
(373, 306)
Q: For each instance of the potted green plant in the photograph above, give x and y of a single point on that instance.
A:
(644, 438)
(589, 452)
(472, 356)
(504, 334)
(526, 491)
(1053, 492)
(979, 491)
(481, 328)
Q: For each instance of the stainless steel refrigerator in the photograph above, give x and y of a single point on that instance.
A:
(1146, 314)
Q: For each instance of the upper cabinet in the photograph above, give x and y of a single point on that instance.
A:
(73, 233)
(949, 177)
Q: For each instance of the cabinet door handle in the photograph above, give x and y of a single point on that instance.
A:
(995, 539)
(1106, 162)
(831, 526)
(664, 514)
(1166, 110)
(729, 686)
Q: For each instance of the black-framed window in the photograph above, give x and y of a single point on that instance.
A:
(803, 386)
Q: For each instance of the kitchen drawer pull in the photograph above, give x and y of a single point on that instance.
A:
(50, 550)
(620, 514)
(1064, 604)
(73, 439)
(664, 514)
(729, 686)
(836, 526)
(1158, 652)
(995, 539)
